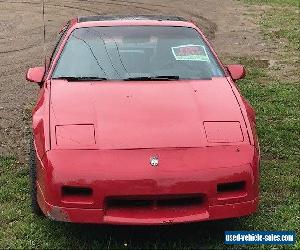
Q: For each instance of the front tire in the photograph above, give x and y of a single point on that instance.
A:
(32, 173)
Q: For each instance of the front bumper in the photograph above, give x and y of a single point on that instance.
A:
(98, 216)
(123, 173)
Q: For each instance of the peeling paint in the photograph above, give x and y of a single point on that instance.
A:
(58, 214)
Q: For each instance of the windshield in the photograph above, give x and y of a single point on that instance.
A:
(136, 52)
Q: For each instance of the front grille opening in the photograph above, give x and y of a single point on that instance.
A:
(154, 201)
(76, 191)
(115, 203)
(180, 202)
(231, 187)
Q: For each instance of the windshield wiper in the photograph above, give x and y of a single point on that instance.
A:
(152, 78)
(81, 78)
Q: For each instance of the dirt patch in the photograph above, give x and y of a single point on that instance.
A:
(229, 24)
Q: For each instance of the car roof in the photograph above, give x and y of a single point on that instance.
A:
(128, 20)
(129, 17)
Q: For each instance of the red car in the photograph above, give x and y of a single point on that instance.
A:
(138, 122)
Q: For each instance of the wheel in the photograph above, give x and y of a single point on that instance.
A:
(32, 173)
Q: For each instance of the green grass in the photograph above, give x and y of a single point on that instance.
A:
(276, 101)
(282, 22)
(275, 2)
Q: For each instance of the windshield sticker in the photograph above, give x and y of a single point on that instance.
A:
(190, 53)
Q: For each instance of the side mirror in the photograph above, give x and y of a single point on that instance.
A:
(35, 74)
(236, 71)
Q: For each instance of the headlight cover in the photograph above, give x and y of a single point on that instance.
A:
(80, 135)
(222, 132)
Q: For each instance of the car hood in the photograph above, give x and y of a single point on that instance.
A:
(144, 114)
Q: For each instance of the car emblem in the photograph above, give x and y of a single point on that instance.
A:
(154, 161)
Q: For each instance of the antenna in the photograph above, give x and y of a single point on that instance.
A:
(44, 33)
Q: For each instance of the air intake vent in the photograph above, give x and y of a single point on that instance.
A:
(76, 191)
(231, 187)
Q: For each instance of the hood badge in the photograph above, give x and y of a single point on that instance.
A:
(154, 161)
